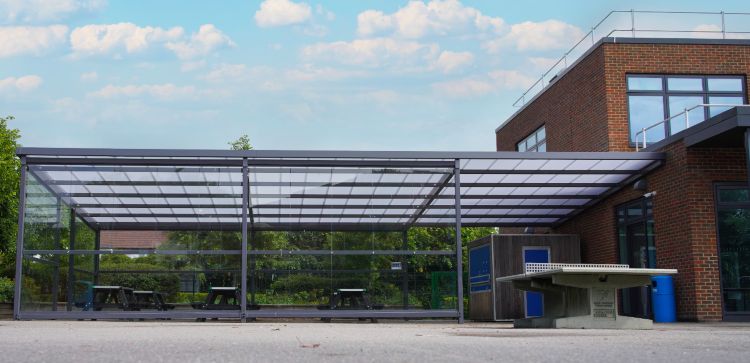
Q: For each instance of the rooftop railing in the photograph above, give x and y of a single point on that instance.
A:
(642, 141)
(640, 23)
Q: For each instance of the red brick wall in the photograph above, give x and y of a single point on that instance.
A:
(573, 111)
(132, 239)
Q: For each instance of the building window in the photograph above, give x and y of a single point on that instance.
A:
(537, 141)
(653, 98)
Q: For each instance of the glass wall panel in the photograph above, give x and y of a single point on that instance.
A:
(725, 84)
(685, 84)
(353, 270)
(141, 259)
(677, 105)
(725, 100)
(644, 83)
(645, 111)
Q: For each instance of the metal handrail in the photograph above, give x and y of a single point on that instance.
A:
(530, 92)
(685, 112)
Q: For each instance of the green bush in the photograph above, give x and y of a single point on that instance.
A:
(6, 289)
(187, 297)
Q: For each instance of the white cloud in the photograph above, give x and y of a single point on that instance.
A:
(166, 91)
(329, 15)
(205, 41)
(449, 61)
(89, 76)
(311, 73)
(22, 84)
(192, 66)
(282, 12)
(45, 10)
(498, 80)
(464, 88)
(25, 40)
(373, 21)
(114, 38)
(227, 73)
(546, 35)
(418, 19)
(371, 52)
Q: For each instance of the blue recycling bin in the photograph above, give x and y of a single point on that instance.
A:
(662, 297)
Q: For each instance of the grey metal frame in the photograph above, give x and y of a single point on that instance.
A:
(255, 160)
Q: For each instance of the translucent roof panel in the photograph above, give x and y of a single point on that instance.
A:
(203, 189)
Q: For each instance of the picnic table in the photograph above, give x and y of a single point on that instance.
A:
(350, 299)
(151, 300)
(104, 297)
(582, 295)
(222, 298)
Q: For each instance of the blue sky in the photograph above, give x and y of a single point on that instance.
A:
(359, 75)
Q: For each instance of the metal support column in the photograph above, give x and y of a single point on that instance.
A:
(252, 267)
(404, 270)
(19, 240)
(245, 202)
(459, 246)
(56, 259)
(97, 257)
(747, 155)
(71, 261)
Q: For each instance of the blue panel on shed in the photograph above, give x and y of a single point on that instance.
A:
(480, 288)
(479, 269)
(535, 300)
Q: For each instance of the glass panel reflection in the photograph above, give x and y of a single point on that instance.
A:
(725, 84)
(677, 105)
(723, 100)
(644, 83)
(734, 235)
(645, 111)
(685, 84)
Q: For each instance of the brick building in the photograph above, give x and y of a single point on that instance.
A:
(133, 240)
(693, 212)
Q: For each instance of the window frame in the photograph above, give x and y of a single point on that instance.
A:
(538, 142)
(665, 92)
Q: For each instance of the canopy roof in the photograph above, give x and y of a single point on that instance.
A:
(321, 190)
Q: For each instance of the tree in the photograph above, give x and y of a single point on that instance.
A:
(10, 168)
(243, 143)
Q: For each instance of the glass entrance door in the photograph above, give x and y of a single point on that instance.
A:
(636, 240)
(733, 220)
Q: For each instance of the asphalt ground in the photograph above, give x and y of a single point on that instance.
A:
(353, 341)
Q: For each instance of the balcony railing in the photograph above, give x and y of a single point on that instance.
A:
(641, 140)
(656, 24)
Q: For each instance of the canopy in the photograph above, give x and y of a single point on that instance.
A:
(322, 190)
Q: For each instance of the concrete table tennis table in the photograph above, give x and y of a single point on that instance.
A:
(582, 295)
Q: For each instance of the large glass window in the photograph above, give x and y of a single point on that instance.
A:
(733, 219)
(653, 98)
(537, 141)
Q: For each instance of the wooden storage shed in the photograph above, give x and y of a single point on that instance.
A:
(500, 255)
